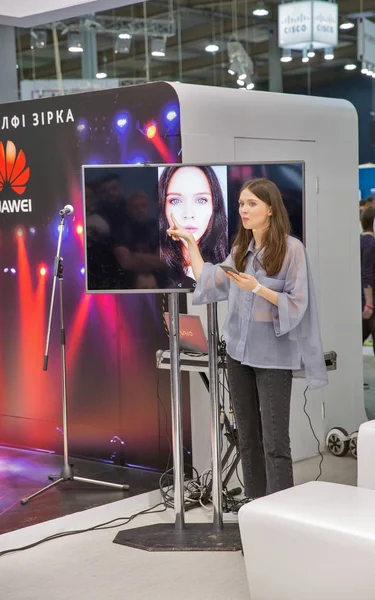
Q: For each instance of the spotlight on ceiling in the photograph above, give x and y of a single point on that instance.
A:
(328, 53)
(311, 53)
(38, 38)
(260, 10)
(347, 24)
(240, 63)
(234, 66)
(123, 43)
(212, 48)
(286, 56)
(158, 46)
(75, 42)
(305, 57)
(350, 67)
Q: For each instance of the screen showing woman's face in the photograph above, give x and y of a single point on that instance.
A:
(189, 198)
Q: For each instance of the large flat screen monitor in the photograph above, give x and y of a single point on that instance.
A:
(128, 211)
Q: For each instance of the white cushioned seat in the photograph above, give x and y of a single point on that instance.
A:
(366, 455)
(312, 542)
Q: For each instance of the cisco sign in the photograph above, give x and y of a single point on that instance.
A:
(308, 24)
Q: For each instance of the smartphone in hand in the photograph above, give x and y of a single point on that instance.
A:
(229, 269)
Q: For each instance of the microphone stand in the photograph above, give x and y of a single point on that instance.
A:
(67, 472)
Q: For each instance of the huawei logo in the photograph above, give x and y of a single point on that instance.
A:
(13, 170)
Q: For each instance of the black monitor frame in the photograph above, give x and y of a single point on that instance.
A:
(163, 165)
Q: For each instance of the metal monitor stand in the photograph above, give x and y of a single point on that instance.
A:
(217, 490)
(177, 430)
(176, 400)
(182, 536)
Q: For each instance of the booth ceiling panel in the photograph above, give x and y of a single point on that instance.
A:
(30, 13)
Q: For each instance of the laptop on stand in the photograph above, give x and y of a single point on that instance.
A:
(192, 336)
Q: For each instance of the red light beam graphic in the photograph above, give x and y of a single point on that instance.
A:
(26, 316)
(162, 149)
(40, 390)
(76, 331)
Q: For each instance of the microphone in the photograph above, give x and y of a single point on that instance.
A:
(67, 210)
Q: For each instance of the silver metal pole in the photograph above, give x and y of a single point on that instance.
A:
(63, 376)
(177, 441)
(215, 417)
(55, 271)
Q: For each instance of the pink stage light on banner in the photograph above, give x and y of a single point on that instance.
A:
(152, 133)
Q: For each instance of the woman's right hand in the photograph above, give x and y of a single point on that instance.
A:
(367, 313)
(177, 232)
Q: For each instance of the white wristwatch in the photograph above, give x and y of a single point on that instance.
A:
(257, 288)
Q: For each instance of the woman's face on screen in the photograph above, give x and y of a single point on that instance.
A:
(189, 198)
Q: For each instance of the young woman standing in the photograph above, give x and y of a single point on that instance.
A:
(271, 330)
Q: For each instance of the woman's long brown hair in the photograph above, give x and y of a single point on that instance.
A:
(275, 238)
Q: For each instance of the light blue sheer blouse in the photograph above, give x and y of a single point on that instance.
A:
(259, 334)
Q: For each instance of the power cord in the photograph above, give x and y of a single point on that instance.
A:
(314, 434)
(100, 527)
(195, 490)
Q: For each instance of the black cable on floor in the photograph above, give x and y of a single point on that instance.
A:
(314, 434)
(100, 527)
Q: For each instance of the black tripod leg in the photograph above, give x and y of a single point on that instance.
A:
(48, 487)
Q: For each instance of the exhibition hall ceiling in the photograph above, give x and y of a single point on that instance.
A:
(30, 13)
(188, 27)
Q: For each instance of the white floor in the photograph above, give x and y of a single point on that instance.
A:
(90, 566)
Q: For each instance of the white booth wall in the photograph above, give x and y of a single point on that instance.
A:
(222, 126)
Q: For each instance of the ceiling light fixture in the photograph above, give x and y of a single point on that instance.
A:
(260, 10)
(123, 45)
(75, 42)
(212, 48)
(38, 38)
(346, 24)
(286, 56)
(158, 47)
(350, 67)
(328, 53)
